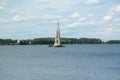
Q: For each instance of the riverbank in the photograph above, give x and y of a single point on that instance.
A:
(38, 41)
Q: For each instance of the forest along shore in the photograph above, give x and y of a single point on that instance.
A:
(37, 41)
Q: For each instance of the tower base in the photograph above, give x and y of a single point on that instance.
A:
(56, 45)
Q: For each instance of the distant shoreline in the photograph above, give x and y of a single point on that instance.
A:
(48, 41)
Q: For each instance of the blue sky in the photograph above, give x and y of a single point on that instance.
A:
(27, 19)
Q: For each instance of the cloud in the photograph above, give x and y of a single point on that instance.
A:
(81, 19)
(45, 13)
(78, 22)
(109, 29)
(107, 18)
(108, 32)
(113, 15)
(75, 24)
(3, 20)
(90, 15)
(75, 15)
(64, 20)
(91, 2)
(2, 5)
(45, 17)
(17, 18)
(117, 20)
(116, 8)
(51, 17)
(82, 23)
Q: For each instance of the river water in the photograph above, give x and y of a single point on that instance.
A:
(73, 62)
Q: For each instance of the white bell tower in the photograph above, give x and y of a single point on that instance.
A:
(57, 37)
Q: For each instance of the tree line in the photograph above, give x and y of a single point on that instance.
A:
(37, 41)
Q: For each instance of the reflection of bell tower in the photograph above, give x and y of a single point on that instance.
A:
(57, 37)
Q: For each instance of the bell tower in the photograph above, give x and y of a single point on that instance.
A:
(57, 36)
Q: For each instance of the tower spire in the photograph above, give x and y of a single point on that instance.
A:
(57, 24)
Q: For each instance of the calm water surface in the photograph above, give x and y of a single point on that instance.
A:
(73, 62)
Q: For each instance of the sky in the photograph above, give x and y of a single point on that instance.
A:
(28, 19)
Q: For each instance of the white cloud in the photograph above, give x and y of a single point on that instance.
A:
(13, 11)
(81, 19)
(77, 23)
(91, 22)
(75, 15)
(117, 8)
(108, 31)
(3, 20)
(114, 10)
(17, 18)
(90, 15)
(117, 20)
(51, 17)
(107, 18)
(2, 5)
(90, 2)
(64, 20)
(44, 17)
(58, 5)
